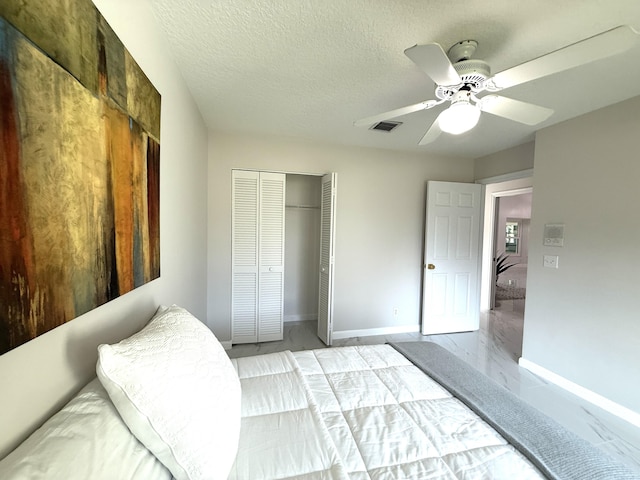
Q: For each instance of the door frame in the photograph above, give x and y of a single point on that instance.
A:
(494, 187)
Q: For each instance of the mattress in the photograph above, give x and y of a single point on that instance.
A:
(361, 413)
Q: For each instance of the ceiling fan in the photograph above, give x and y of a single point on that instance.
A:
(460, 79)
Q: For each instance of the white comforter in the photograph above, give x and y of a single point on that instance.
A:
(339, 413)
(361, 413)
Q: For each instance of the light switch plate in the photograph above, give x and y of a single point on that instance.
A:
(550, 261)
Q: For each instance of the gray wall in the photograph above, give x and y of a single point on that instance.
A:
(582, 320)
(40, 376)
(379, 225)
(511, 160)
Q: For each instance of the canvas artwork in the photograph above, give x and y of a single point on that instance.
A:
(79, 167)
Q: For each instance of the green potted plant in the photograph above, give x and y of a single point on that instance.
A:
(502, 265)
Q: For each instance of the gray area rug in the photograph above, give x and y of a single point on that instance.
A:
(557, 452)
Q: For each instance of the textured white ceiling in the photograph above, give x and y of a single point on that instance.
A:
(310, 68)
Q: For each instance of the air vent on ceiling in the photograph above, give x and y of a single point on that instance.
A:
(385, 126)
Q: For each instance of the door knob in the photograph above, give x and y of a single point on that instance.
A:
(431, 266)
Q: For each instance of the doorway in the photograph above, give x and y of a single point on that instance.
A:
(495, 190)
(309, 253)
(511, 251)
(302, 247)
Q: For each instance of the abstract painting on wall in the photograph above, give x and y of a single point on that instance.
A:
(79, 167)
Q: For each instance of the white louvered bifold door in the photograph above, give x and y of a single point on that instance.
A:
(244, 254)
(271, 257)
(257, 287)
(327, 241)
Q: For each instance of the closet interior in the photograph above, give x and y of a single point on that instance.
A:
(302, 247)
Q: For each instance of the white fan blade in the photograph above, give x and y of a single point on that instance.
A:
(432, 134)
(398, 112)
(515, 110)
(600, 46)
(435, 63)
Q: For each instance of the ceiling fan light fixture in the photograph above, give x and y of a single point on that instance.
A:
(460, 117)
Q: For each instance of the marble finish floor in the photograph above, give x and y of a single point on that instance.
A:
(494, 350)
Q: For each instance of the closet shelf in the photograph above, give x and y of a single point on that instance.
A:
(314, 207)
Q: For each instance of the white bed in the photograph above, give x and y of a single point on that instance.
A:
(385, 420)
(171, 409)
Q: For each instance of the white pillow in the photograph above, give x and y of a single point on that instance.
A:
(177, 391)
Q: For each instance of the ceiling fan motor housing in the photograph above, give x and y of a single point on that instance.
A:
(473, 74)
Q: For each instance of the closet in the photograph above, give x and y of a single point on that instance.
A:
(277, 237)
(257, 252)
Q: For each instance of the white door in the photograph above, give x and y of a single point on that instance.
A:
(244, 255)
(327, 241)
(271, 258)
(451, 291)
(257, 254)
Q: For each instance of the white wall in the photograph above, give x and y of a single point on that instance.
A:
(582, 320)
(379, 231)
(40, 376)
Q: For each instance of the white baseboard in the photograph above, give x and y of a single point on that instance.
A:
(300, 317)
(368, 332)
(610, 406)
(226, 344)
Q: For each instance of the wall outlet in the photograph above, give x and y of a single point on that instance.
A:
(395, 312)
(550, 261)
